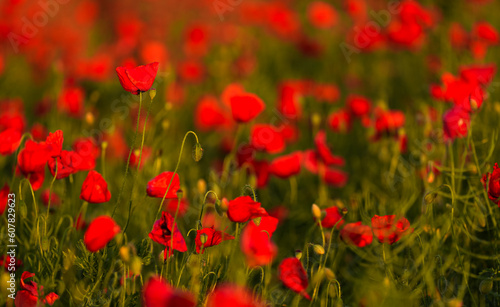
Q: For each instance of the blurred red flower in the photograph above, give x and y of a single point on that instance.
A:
(30, 293)
(212, 237)
(100, 231)
(55, 200)
(95, 189)
(166, 233)
(71, 100)
(340, 121)
(229, 295)
(256, 241)
(456, 122)
(244, 208)
(157, 293)
(321, 15)
(10, 139)
(334, 177)
(138, 79)
(333, 218)
(357, 234)
(293, 276)
(4, 192)
(157, 187)
(389, 230)
(359, 106)
(324, 152)
(491, 183)
(267, 138)
(287, 165)
(246, 106)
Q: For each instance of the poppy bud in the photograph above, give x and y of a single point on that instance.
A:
(224, 204)
(89, 118)
(152, 93)
(257, 220)
(473, 104)
(68, 259)
(316, 119)
(203, 238)
(165, 124)
(198, 152)
(298, 254)
(329, 274)
(202, 186)
(125, 254)
(318, 249)
(486, 286)
(104, 145)
(45, 244)
(136, 266)
(316, 212)
(179, 194)
(218, 208)
(23, 210)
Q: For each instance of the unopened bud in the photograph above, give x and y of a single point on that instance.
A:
(257, 220)
(316, 211)
(318, 249)
(298, 254)
(104, 145)
(218, 208)
(316, 119)
(473, 104)
(329, 274)
(152, 93)
(224, 204)
(23, 210)
(125, 254)
(203, 238)
(202, 186)
(198, 152)
(486, 286)
(89, 118)
(136, 266)
(179, 194)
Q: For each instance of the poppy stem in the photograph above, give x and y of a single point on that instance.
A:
(104, 145)
(175, 171)
(129, 155)
(205, 200)
(50, 193)
(293, 189)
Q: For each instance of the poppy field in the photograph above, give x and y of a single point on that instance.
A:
(234, 153)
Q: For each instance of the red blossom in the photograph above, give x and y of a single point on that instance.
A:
(245, 107)
(30, 294)
(138, 79)
(158, 186)
(164, 232)
(229, 295)
(333, 218)
(244, 208)
(357, 234)
(256, 241)
(389, 230)
(95, 189)
(293, 276)
(267, 138)
(286, 166)
(213, 237)
(157, 293)
(100, 231)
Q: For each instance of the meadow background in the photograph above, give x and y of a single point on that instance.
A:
(404, 98)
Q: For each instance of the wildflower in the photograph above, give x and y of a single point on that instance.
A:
(213, 237)
(357, 234)
(166, 234)
(229, 295)
(95, 189)
(246, 106)
(286, 166)
(138, 79)
(389, 230)
(157, 293)
(256, 241)
(157, 187)
(30, 293)
(293, 276)
(100, 231)
(244, 208)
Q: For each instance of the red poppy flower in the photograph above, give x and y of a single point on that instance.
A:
(476, 74)
(261, 169)
(12, 115)
(229, 295)
(256, 241)
(6, 262)
(286, 166)
(210, 115)
(10, 140)
(359, 106)
(246, 106)
(71, 100)
(463, 94)
(32, 157)
(171, 206)
(340, 121)
(64, 163)
(388, 230)
(100, 231)
(456, 122)
(244, 208)
(233, 89)
(54, 143)
(288, 103)
(322, 15)
(4, 192)
(86, 152)
(334, 177)
(491, 183)
(486, 32)
(388, 122)
(95, 189)
(357, 234)
(324, 152)
(157, 187)
(293, 276)
(154, 51)
(333, 218)
(138, 79)
(213, 237)
(54, 198)
(162, 233)
(157, 293)
(30, 294)
(458, 36)
(191, 71)
(267, 138)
